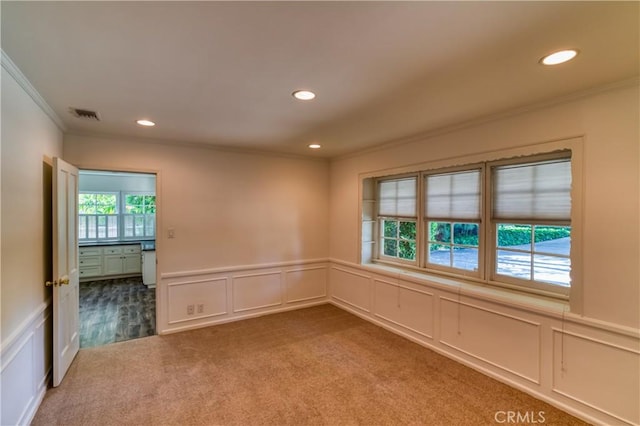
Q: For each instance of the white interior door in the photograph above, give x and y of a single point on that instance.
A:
(66, 326)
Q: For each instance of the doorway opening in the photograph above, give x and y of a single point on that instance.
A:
(117, 258)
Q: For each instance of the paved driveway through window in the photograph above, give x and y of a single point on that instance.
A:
(547, 268)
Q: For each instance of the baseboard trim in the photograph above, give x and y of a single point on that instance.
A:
(241, 317)
(32, 409)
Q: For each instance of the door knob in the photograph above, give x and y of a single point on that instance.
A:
(55, 283)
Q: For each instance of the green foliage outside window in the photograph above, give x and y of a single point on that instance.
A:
(97, 204)
(140, 204)
(399, 239)
(508, 235)
(390, 228)
(514, 235)
(463, 234)
(116, 215)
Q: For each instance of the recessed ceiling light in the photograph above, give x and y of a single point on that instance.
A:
(146, 123)
(559, 57)
(303, 95)
(315, 146)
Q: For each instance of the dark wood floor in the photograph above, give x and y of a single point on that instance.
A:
(116, 310)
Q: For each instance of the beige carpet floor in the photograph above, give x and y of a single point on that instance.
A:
(315, 366)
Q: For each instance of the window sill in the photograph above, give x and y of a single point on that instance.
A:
(510, 298)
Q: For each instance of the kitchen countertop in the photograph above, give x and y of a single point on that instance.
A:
(112, 243)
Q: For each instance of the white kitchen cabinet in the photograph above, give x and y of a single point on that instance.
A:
(90, 260)
(149, 268)
(107, 261)
(112, 261)
(131, 259)
(131, 264)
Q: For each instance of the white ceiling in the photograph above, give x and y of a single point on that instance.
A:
(222, 73)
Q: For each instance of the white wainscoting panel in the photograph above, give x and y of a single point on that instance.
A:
(306, 283)
(256, 291)
(593, 372)
(211, 293)
(518, 344)
(26, 367)
(17, 382)
(404, 306)
(43, 348)
(352, 288)
(239, 292)
(504, 341)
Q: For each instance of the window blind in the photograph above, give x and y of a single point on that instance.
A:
(453, 195)
(534, 191)
(398, 197)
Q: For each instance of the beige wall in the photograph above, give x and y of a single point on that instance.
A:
(29, 141)
(230, 209)
(226, 208)
(608, 121)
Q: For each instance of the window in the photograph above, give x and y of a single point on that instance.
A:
(452, 215)
(139, 216)
(98, 216)
(399, 239)
(531, 215)
(104, 216)
(397, 215)
(503, 222)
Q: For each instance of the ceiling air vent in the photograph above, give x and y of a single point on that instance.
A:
(85, 114)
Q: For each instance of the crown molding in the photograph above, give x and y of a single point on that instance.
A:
(26, 85)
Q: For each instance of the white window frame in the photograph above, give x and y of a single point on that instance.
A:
(91, 216)
(487, 230)
(494, 277)
(120, 215)
(379, 231)
(124, 215)
(382, 237)
(479, 273)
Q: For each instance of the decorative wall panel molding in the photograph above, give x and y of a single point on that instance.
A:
(209, 294)
(592, 374)
(404, 306)
(308, 283)
(26, 367)
(255, 291)
(504, 341)
(195, 299)
(351, 287)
